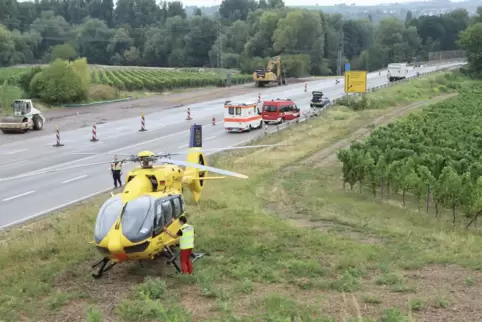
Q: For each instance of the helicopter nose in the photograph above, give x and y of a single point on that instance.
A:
(115, 246)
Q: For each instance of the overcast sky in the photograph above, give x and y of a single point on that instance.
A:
(300, 2)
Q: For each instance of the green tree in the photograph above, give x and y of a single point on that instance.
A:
(64, 52)
(471, 41)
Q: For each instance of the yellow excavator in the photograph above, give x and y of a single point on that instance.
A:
(265, 76)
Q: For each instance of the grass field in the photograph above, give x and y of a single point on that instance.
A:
(415, 90)
(287, 243)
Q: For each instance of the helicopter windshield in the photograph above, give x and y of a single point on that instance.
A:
(138, 219)
(108, 213)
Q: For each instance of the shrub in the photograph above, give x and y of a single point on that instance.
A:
(26, 78)
(102, 93)
(59, 83)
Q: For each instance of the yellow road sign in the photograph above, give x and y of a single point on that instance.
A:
(356, 81)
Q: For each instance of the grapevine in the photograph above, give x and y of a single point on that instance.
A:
(436, 154)
(161, 80)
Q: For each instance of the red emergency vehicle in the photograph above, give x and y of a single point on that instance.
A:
(279, 110)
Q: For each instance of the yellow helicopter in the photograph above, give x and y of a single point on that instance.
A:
(130, 225)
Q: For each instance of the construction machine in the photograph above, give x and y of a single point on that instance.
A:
(265, 76)
(25, 117)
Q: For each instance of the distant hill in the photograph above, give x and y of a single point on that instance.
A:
(377, 12)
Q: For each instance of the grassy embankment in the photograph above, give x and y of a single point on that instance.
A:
(286, 243)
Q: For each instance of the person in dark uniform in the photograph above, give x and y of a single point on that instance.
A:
(116, 168)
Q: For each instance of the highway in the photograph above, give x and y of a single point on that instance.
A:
(167, 131)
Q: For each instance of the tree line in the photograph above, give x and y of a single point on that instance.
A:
(433, 156)
(242, 35)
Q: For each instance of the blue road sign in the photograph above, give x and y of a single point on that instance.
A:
(347, 67)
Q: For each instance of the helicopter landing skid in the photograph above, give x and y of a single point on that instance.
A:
(173, 256)
(103, 268)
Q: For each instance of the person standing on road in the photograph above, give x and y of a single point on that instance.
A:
(116, 168)
(186, 244)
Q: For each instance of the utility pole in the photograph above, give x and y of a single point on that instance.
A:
(220, 50)
(341, 49)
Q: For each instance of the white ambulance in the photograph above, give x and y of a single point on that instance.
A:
(242, 117)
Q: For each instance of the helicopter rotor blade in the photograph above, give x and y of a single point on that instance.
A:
(103, 153)
(163, 154)
(244, 147)
(231, 148)
(35, 173)
(205, 168)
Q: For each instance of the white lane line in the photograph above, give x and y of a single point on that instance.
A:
(13, 163)
(18, 196)
(210, 138)
(183, 146)
(73, 179)
(56, 208)
(16, 151)
(89, 145)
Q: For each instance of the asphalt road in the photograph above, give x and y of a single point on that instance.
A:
(167, 131)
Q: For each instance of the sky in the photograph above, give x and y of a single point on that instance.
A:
(208, 3)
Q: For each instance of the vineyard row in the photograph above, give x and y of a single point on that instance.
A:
(161, 80)
(435, 155)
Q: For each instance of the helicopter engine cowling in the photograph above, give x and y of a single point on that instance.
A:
(192, 176)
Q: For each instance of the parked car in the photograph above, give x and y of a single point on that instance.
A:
(279, 110)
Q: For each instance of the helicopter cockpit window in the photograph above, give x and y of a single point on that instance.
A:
(181, 199)
(138, 219)
(108, 213)
(177, 207)
(167, 210)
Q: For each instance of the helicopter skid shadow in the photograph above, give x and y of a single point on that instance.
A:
(169, 254)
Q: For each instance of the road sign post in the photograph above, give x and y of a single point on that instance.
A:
(356, 81)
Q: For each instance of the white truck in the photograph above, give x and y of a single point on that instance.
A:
(397, 72)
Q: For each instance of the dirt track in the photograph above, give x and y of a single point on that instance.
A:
(78, 117)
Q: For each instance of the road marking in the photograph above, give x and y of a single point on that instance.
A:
(17, 151)
(13, 163)
(186, 145)
(56, 208)
(91, 144)
(73, 179)
(18, 196)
